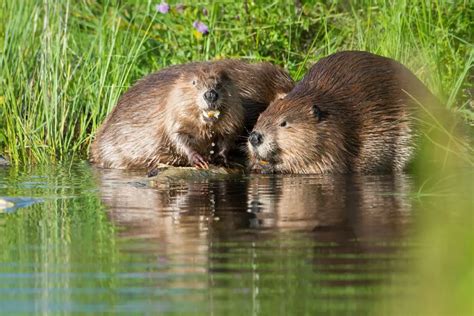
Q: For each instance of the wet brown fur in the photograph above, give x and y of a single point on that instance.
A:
(158, 120)
(352, 112)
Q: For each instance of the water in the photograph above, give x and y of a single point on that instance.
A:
(96, 241)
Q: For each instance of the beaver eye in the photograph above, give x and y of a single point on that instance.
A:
(283, 124)
(317, 112)
(194, 82)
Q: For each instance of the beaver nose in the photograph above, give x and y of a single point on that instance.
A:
(255, 138)
(211, 96)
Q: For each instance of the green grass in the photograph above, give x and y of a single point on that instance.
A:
(64, 64)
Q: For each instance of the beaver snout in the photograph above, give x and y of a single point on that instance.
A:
(211, 96)
(255, 138)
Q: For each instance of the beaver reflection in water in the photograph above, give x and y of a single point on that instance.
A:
(352, 112)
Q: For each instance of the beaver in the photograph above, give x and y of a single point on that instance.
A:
(352, 112)
(187, 115)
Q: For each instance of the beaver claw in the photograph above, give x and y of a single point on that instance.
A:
(198, 161)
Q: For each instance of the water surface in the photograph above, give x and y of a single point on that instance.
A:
(110, 241)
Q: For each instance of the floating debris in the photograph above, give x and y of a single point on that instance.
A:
(10, 204)
(5, 205)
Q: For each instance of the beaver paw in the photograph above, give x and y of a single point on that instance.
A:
(198, 161)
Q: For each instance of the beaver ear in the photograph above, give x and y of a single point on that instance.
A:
(317, 112)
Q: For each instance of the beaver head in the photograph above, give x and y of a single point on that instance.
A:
(301, 133)
(213, 89)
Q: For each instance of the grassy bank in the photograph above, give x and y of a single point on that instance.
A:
(63, 66)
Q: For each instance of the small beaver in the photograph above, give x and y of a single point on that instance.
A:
(352, 112)
(187, 115)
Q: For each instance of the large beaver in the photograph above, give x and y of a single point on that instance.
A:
(187, 115)
(352, 112)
